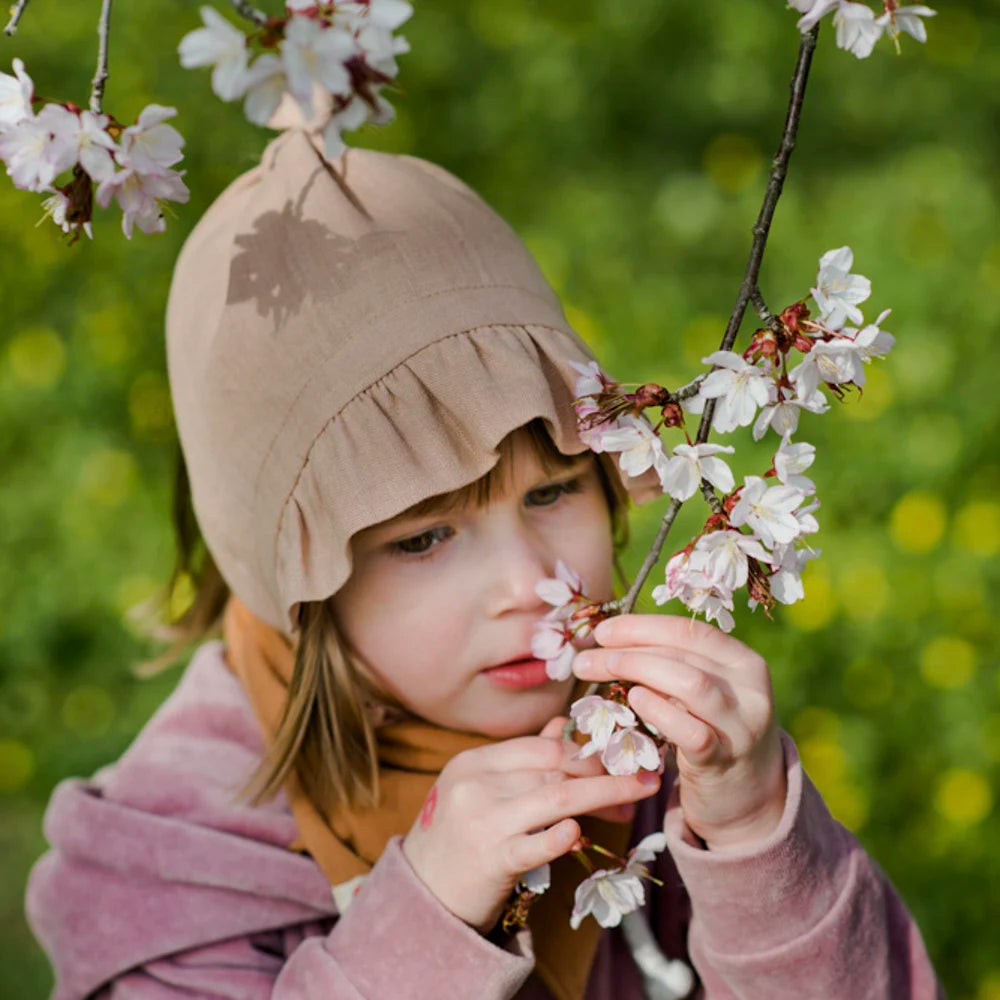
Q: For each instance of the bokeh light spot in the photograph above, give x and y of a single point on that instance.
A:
(107, 333)
(977, 528)
(818, 607)
(815, 722)
(867, 683)
(134, 591)
(948, 661)
(989, 987)
(149, 404)
(733, 161)
(17, 765)
(108, 476)
(918, 521)
(88, 711)
(688, 207)
(963, 797)
(863, 591)
(36, 357)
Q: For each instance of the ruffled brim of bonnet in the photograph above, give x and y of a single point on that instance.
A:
(346, 339)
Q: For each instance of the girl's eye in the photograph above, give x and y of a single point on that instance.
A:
(545, 496)
(422, 543)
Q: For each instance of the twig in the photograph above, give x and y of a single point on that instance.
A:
(689, 390)
(15, 17)
(779, 167)
(250, 12)
(748, 288)
(101, 74)
(767, 317)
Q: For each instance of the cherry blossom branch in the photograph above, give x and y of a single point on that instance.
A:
(748, 291)
(101, 74)
(250, 13)
(762, 227)
(15, 17)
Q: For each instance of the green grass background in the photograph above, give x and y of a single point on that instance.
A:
(628, 143)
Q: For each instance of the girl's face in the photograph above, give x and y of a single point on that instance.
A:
(436, 603)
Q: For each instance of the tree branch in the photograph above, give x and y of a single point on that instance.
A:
(101, 74)
(15, 17)
(249, 12)
(779, 167)
(748, 290)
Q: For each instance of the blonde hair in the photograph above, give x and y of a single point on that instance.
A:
(326, 737)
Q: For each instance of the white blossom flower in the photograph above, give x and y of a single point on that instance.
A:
(871, 341)
(221, 45)
(351, 116)
(312, 52)
(812, 11)
(786, 583)
(149, 146)
(592, 381)
(681, 475)
(791, 460)
(628, 751)
(726, 557)
(551, 642)
(607, 895)
(599, 717)
(644, 852)
(808, 525)
(538, 879)
(639, 444)
(857, 31)
(906, 19)
(266, 86)
(95, 148)
(15, 96)
(686, 580)
(139, 197)
(739, 387)
(768, 510)
(38, 149)
(562, 589)
(835, 362)
(781, 414)
(838, 292)
(57, 208)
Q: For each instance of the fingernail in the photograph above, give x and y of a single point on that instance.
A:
(649, 778)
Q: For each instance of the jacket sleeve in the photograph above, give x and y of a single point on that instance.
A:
(806, 914)
(395, 934)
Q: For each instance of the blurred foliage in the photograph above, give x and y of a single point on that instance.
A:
(628, 143)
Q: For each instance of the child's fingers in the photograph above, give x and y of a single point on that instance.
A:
(672, 630)
(703, 692)
(700, 743)
(532, 752)
(544, 806)
(528, 851)
(553, 728)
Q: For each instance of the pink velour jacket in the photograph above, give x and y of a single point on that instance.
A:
(159, 887)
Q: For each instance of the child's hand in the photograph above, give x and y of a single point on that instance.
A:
(500, 810)
(710, 695)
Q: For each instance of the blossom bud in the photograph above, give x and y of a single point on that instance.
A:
(758, 586)
(802, 343)
(673, 415)
(764, 344)
(650, 394)
(792, 316)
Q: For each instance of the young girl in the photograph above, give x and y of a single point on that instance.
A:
(373, 390)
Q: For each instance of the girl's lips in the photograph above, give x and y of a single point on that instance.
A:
(519, 675)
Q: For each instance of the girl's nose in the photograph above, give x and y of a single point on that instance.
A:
(518, 562)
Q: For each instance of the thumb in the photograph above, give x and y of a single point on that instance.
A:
(554, 727)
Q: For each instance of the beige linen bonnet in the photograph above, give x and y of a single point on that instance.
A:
(345, 339)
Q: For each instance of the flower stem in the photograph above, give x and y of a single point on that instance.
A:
(249, 12)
